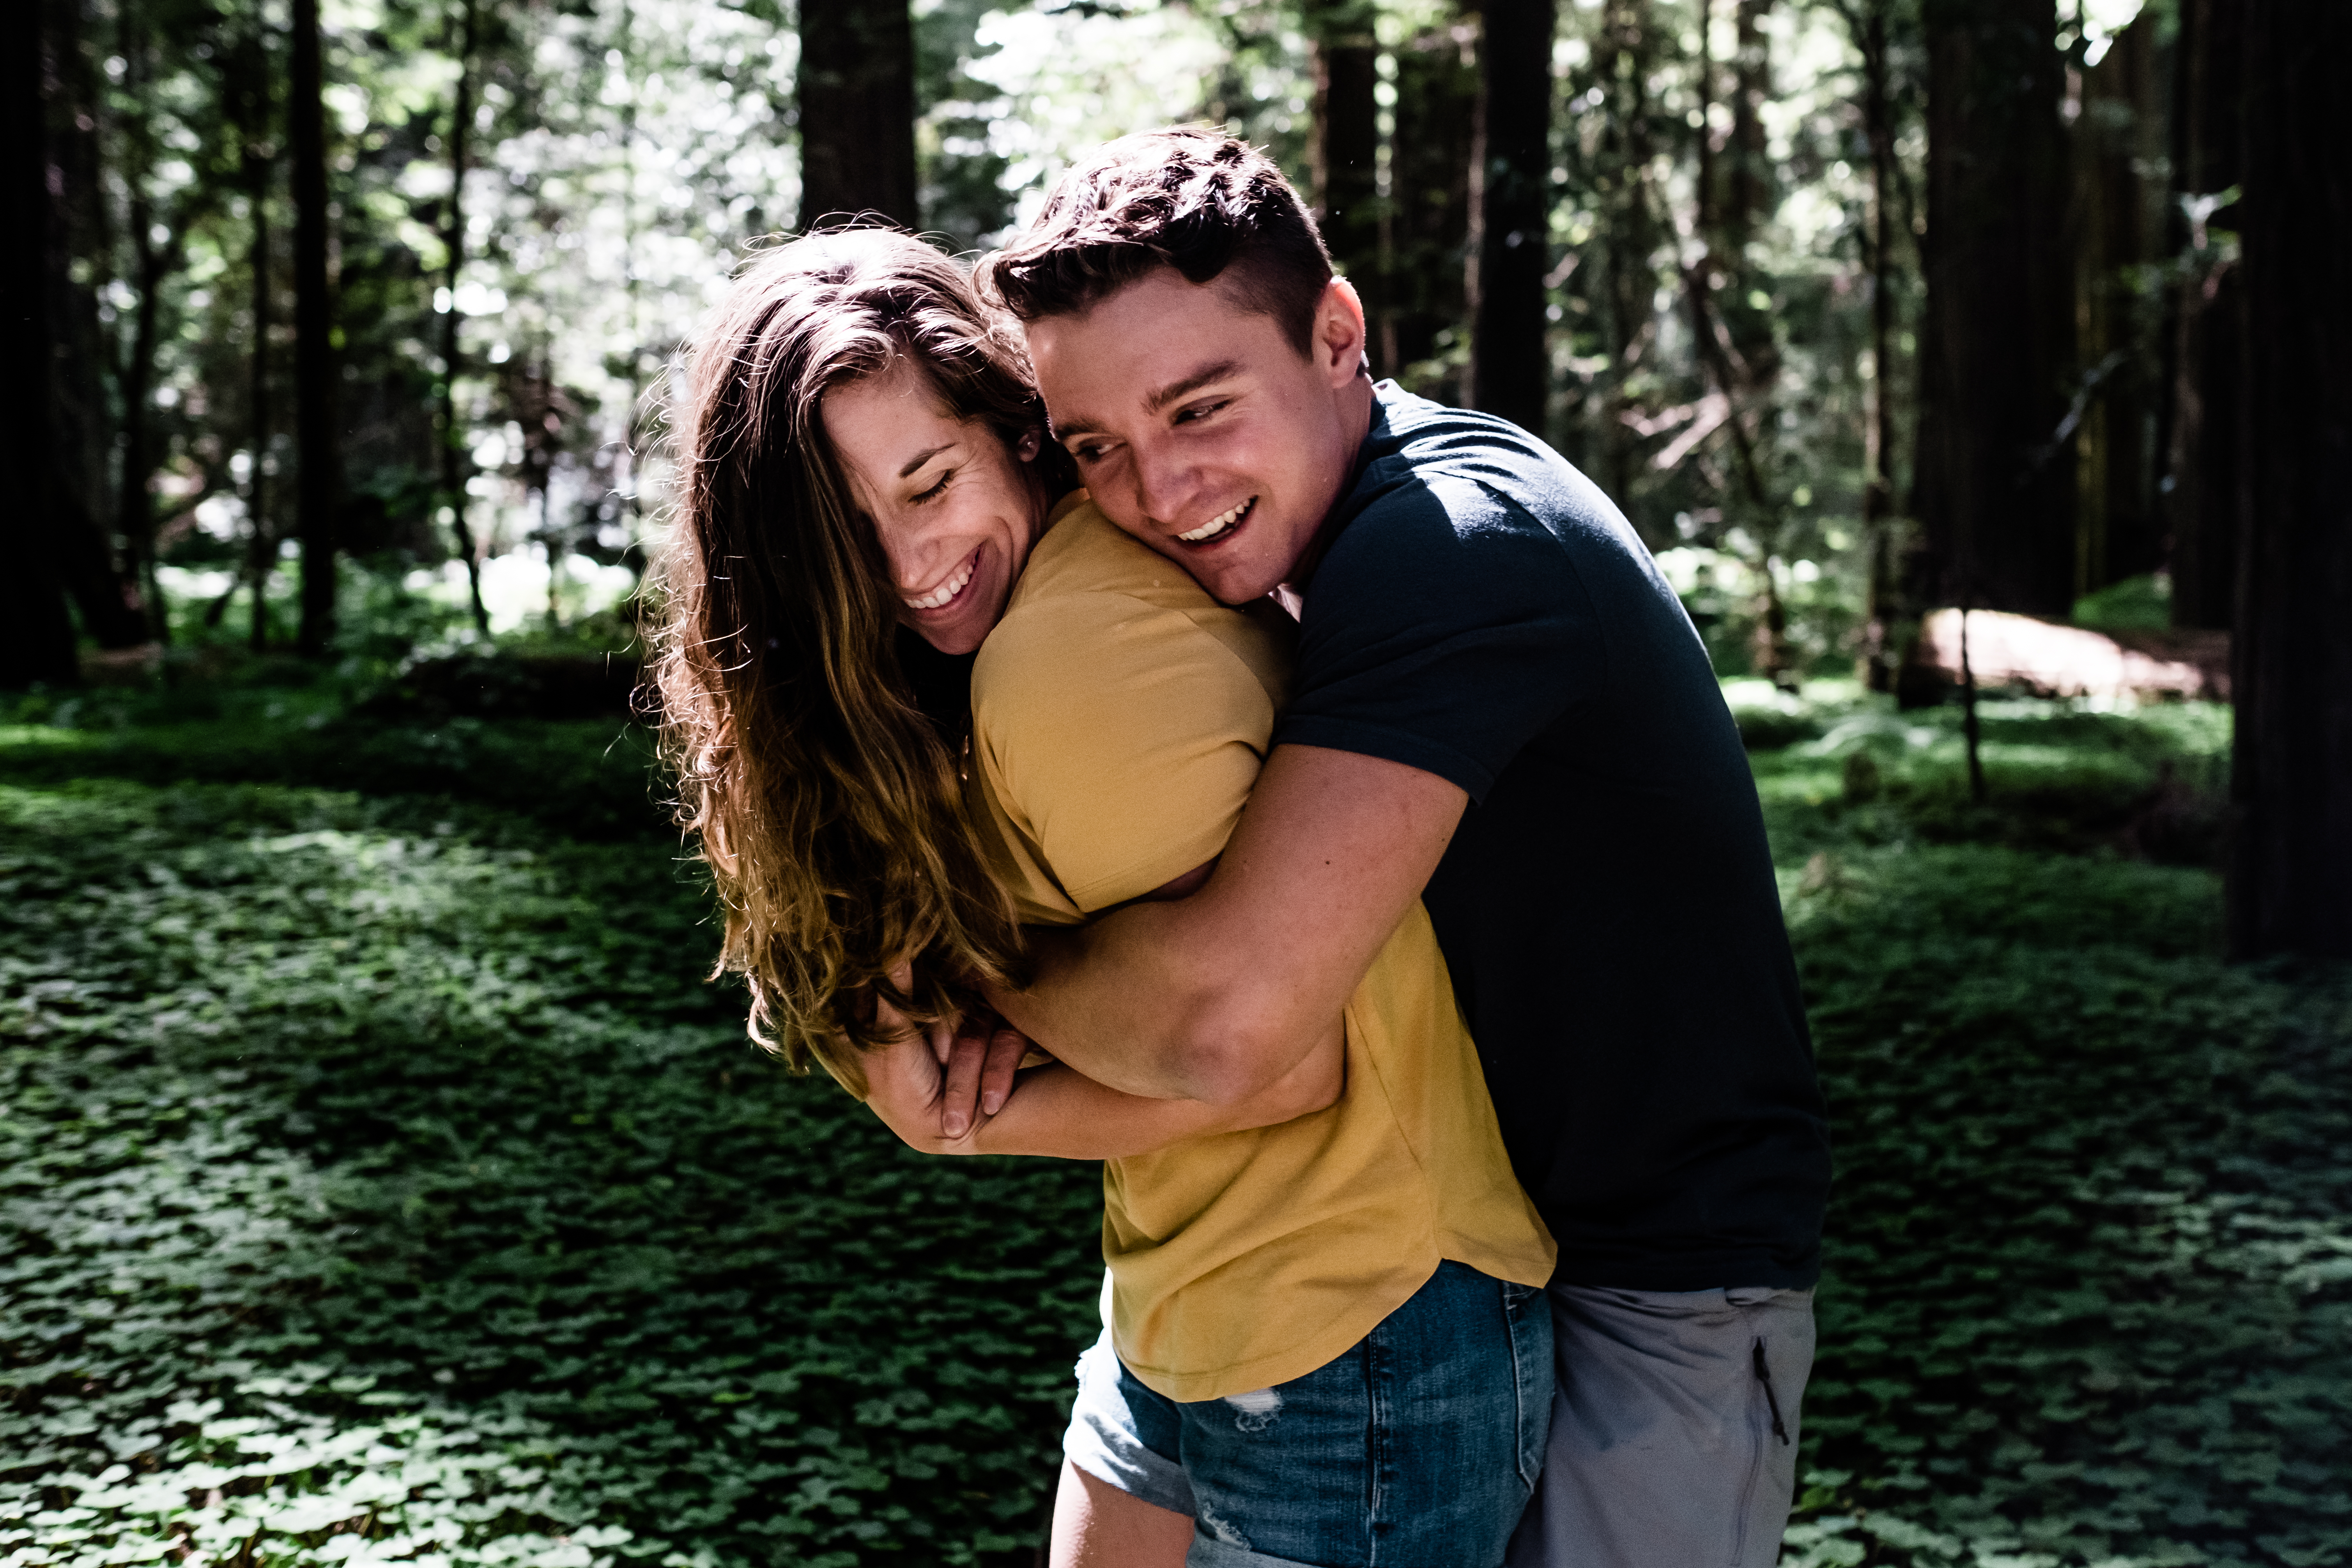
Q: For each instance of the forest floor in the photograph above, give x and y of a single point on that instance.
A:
(380, 1180)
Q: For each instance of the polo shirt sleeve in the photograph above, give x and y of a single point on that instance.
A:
(1120, 738)
(1446, 629)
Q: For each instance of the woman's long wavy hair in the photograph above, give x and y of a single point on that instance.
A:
(823, 798)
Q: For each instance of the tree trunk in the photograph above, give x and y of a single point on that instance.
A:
(36, 634)
(1621, 58)
(856, 92)
(1425, 222)
(315, 465)
(2201, 456)
(73, 463)
(453, 239)
(1346, 147)
(1995, 478)
(1749, 190)
(2119, 226)
(1510, 214)
(2290, 858)
(1885, 617)
(260, 547)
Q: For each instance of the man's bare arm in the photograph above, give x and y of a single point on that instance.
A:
(1217, 996)
(1059, 1114)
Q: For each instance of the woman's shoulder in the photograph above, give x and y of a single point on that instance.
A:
(1083, 552)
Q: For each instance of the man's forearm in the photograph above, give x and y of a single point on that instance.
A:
(1215, 995)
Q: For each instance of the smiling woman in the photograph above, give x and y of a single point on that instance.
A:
(853, 424)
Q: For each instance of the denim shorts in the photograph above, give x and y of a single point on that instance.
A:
(1417, 1448)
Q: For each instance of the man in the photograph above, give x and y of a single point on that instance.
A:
(1500, 708)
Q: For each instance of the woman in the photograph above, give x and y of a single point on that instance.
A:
(1323, 1330)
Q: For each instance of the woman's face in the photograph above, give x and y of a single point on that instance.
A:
(956, 512)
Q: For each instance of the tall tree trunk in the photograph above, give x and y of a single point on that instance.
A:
(453, 241)
(1622, 53)
(36, 634)
(856, 92)
(1748, 189)
(134, 513)
(75, 461)
(2290, 858)
(1510, 214)
(2201, 458)
(1995, 478)
(2119, 226)
(316, 479)
(1885, 617)
(260, 547)
(1426, 220)
(1346, 147)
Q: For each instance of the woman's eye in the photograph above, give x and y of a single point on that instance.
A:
(936, 490)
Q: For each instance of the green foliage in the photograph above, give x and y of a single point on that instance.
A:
(378, 1181)
(2134, 605)
(377, 1187)
(2088, 1256)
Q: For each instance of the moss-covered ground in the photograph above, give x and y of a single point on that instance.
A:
(380, 1179)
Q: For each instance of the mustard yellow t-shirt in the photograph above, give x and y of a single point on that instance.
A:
(1120, 717)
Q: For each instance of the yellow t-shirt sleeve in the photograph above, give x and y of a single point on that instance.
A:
(1121, 738)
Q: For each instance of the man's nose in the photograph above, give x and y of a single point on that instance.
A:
(1165, 485)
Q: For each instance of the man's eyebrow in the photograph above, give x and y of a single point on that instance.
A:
(925, 455)
(1191, 384)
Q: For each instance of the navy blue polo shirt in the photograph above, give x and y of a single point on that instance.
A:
(1478, 609)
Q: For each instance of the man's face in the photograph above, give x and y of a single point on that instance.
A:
(1200, 430)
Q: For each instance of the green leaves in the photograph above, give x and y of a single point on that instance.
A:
(393, 1192)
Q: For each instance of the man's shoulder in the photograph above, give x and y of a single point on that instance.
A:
(1485, 479)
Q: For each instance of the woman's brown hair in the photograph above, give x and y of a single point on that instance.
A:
(823, 800)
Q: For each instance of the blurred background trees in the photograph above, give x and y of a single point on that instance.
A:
(1859, 307)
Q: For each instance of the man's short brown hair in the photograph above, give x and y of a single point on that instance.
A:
(1192, 199)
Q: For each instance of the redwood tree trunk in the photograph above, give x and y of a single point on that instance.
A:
(2201, 505)
(1346, 148)
(856, 92)
(2290, 860)
(1510, 369)
(453, 241)
(1995, 482)
(1425, 223)
(36, 635)
(315, 465)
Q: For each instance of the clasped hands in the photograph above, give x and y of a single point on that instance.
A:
(934, 1085)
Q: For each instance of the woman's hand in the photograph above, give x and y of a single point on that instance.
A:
(938, 1083)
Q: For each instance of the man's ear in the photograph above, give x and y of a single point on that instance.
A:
(1341, 339)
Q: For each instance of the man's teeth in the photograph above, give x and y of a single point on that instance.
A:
(1218, 524)
(947, 590)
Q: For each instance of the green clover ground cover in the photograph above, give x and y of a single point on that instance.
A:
(379, 1181)
(380, 1187)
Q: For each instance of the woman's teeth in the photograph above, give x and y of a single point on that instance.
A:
(1219, 523)
(946, 590)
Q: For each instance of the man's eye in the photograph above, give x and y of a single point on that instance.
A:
(936, 490)
(1087, 452)
(1201, 411)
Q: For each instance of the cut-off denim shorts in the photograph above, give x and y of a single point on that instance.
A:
(1417, 1448)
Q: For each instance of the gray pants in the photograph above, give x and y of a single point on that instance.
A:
(1673, 1429)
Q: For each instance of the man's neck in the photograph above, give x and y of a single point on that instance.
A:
(1361, 400)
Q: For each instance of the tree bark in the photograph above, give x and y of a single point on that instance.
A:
(1995, 478)
(856, 93)
(260, 547)
(1510, 214)
(2290, 858)
(1886, 615)
(36, 633)
(1425, 223)
(1346, 146)
(1622, 54)
(73, 464)
(316, 478)
(453, 241)
(2119, 226)
(2201, 501)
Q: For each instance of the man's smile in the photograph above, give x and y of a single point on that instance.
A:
(1220, 525)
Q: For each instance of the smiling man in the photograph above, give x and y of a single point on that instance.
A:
(1500, 708)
